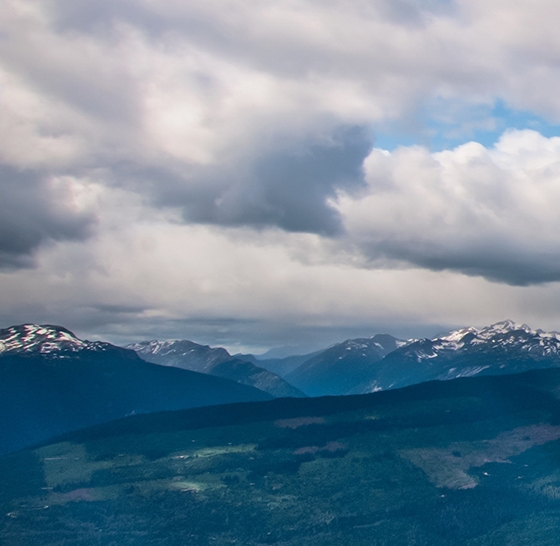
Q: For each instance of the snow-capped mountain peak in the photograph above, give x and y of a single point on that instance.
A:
(505, 332)
(504, 327)
(188, 355)
(501, 348)
(172, 352)
(179, 347)
(44, 339)
(499, 345)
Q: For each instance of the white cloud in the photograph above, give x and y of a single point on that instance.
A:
(489, 212)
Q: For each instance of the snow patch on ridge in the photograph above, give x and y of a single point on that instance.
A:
(506, 333)
(32, 338)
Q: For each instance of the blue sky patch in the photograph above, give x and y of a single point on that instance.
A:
(445, 124)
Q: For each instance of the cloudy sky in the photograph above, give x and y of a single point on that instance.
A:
(259, 173)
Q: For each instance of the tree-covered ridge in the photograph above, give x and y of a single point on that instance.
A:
(471, 461)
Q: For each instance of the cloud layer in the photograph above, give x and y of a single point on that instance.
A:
(33, 212)
(247, 129)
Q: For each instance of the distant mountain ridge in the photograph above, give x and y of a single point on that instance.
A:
(505, 347)
(383, 362)
(51, 382)
(173, 353)
(188, 355)
(280, 366)
(352, 367)
(340, 368)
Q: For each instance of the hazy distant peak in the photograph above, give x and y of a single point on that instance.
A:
(214, 361)
(384, 343)
(175, 352)
(175, 346)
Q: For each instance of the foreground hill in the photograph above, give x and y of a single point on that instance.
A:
(52, 382)
(473, 461)
(214, 361)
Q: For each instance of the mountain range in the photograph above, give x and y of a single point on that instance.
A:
(178, 457)
(370, 364)
(502, 348)
(384, 362)
(214, 361)
(338, 369)
(52, 382)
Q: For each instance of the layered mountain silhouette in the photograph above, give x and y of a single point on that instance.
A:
(383, 362)
(281, 366)
(52, 382)
(502, 348)
(215, 361)
(340, 368)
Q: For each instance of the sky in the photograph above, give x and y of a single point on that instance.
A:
(265, 173)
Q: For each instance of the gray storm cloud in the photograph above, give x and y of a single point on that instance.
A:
(288, 188)
(32, 214)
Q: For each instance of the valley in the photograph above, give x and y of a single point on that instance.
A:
(469, 461)
(458, 445)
